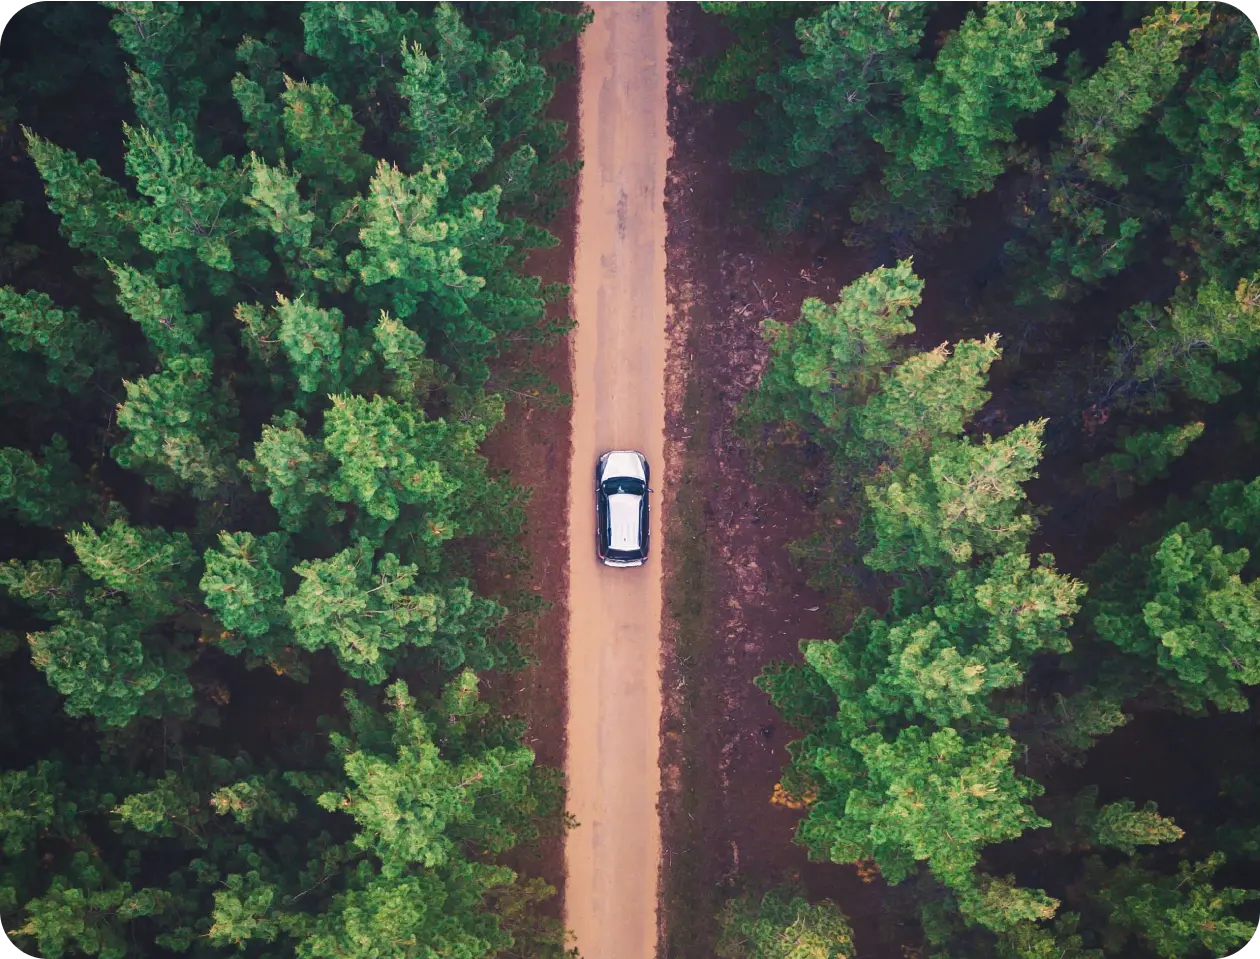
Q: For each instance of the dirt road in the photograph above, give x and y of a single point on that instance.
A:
(611, 859)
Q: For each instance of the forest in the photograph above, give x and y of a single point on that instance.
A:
(263, 296)
(1032, 718)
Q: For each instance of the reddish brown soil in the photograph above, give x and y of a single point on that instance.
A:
(534, 445)
(723, 743)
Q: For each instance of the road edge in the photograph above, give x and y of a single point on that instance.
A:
(686, 591)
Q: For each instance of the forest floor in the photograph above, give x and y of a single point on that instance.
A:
(735, 599)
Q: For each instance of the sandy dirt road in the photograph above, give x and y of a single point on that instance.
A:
(612, 858)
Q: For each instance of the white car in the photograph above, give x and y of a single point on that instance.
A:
(621, 508)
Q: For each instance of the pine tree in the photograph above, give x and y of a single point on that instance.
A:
(828, 360)
(1078, 721)
(782, 924)
(106, 669)
(363, 613)
(938, 798)
(409, 244)
(1183, 345)
(1172, 915)
(193, 207)
(243, 586)
(1182, 608)
(293, 469)
(969, 503)
(162, 40)
(49, 491)
(1090, 221)
(257, 95)
(341, 37)
(402, 351)
(95, 212)
(90, 914)
(34, 801)
(979, 635)
(930, 396)
(153, 568)
(73, 350)
(760, 29)
(411, 805)
(819, 111)
(312, 339)
(1119, 825)
(1144, 457)
(107, 648)
(383, 916)
(388, 455)
(998, 904)
(1059, 939)
(950, 141)
(322, 136)
(176, 428)
(449, 133)
(301, 232)
(160, 313)
(1214, 131)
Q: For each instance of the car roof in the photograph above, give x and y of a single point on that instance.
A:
(620, 463)
(623, 521)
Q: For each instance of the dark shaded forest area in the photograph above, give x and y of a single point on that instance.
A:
(260, 266)
(1030, 444)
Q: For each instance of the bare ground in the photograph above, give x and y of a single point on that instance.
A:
(735, 600)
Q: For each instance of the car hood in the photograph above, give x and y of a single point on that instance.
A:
(620, 463)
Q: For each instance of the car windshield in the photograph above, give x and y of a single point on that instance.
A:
(623, 484)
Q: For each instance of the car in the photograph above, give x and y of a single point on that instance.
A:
(621, 508)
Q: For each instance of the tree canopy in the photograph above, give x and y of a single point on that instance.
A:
(242, 479)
